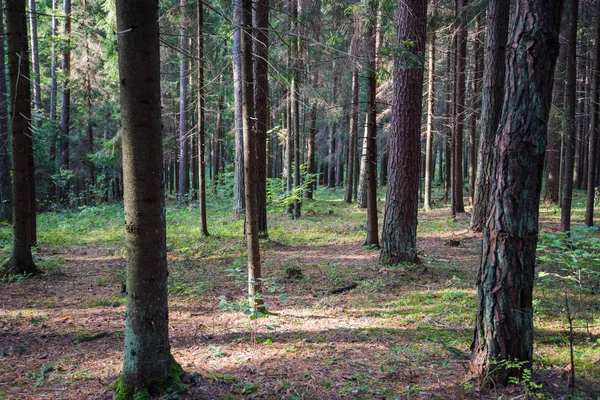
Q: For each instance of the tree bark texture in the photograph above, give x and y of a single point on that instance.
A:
(21, 261)
(201, 124)
(239, 202)
(5, 182)
(504, 319)
(492, 96)
(571, 130)
(399, 239)
(261, 105)
(593, 139)
(458, 205)
(476, 81)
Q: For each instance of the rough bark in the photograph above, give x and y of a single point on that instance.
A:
(458, 205)
(238, 188)
(21, 261)
(593, 139)
(147, 358)
(261, 105)
(475, 107)
(201, 124)
(5, 182)
(491, 107)
(371, 159)
(250, 158)
(504, 319)
(570, 105)
(399, 240)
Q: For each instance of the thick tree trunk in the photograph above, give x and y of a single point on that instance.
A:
(148, 363)
(491, 108)
(5, 183)
(250, 158)
(593, 139)
(504, 319)
(371, 158)
(261, 104)
(570, 131)
(399, 240)
(239, 202)
(458, 205)
(21, 261)
(201, 124)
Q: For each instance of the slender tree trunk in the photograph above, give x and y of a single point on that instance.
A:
(218, 145)
(250, 172)
(399, 240)
(361, 197)
(53, 87)
(504, 319)
(593, 139)
(580, 96)
(299, 13)
(184, 147)
(458, 205)
(148, 363)
(311, 166)
(449, 120)
(65, 115)
(332, 150)
(371, 161)
(491, 109)
(353, 111)
(239, 202)
(475, 107)
(5, 183)
(21, 261)
(201, 124)
(571, 131)
(261, 104)
(430, 110)
(35, 64)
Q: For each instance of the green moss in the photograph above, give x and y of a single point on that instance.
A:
(171, 383)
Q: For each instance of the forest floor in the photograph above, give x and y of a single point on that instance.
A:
(395, 332)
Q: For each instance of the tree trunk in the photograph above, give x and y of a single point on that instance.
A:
(298, 12)
(331, 151)
(400, 222)
(310, 163)
(593, 139)
(491, 108)
(35, 61)
(261, 104)
(371, 157)
(458, 205)
(53, 89)
(201, 124)
(184, 148)
(218, 142)
(361, 197)
(250, 172)
(430, 108)
(448, 135)
(21, 261)
(353, 111)
(239, 202)
(147, 361)
(475, 107)
(65, 115)
(5, 183)
(570, 131)
(504, 319)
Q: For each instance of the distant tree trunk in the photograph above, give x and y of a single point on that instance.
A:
(218, 145)
(201, 124)
(430, 110)
(5, 183)
(65, 115)
(289, 147)
(239, 202)
(331, 151)
(475, 107)
(21, 261)
(371, 161)
(361, 197)
(298, 12)
(383, 162)
(353, 111)
(250, 172)
(89, 110)
(261, 104)
(400, 222)
(35, 61)
(491, 98)
(593, 139)
(448, 116)
(184, 148)
(581, 99)
(570, 131)
(53, 88)
(458, 205)
(311, 166)
(504, 319)
(147, 357)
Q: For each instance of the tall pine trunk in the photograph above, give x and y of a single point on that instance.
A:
(239, 202)
(201, 124)
(5, 182)
(430, 110)
(593, 139)
(458, 205)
